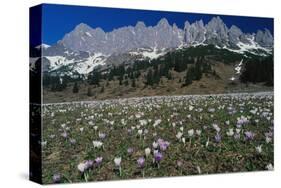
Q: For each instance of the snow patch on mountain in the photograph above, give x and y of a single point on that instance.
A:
(43, 46)
(149, 53)
(82, 66)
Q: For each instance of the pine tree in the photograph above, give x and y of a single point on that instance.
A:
(156, 76)
(169, 75)
(197, 71)
(102, 89)
(188, 77)
(89, 92)
(133, 82)
(126, 83)
(149, 78)
(94, 78)
(120, 80)
(75, 88)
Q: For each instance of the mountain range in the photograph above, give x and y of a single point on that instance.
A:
(83, 49)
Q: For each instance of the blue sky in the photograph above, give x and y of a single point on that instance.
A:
(61, 19)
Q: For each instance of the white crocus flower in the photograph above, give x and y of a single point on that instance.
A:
(259, 149)
(183, 140)
(82, 167)
(181, 128)
(117, 161)
(140, 132)
(190, 132)
(230, 132)
(155, 145)
(216, 127)
(269, 167)
(268, 139)
(157, 122)
(63, 125)
(179, 135)
(147, 151)
(97, 144)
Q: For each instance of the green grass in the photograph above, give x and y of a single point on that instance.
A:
(229, 155)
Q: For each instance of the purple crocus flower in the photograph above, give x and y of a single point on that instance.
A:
(163, 144)
(158, 156)
(249, 135)
(98, 161)
(56, 178)
(218, 138)
(64, 134)
(89, 164)
(140, 162)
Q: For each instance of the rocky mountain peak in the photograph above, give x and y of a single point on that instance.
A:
(163, 23)
(264, 38)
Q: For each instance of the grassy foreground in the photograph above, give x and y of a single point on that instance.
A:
(157, 137)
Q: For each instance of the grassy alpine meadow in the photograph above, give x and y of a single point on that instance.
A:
(157, 137)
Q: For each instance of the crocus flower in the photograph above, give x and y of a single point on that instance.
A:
(190, 132)
(269, 167)
(143, 122)
(89, 164)
(64, 134)
(179, 135)
(140, 132)
(98, 161)
(198, 169)
(117, 161)
(236, 136)
(249, 135)
(158, 157)
(147, 151)
(157, 122)
(230, 132)
(198, 132)
(97, 144)
(218, 138)
(102, 135)
(163, 144)
(179, 163)
(259, 149)
(155, 145)
(140, 162)
(72, 141)
(183, 140)
(82, 167)
(130, 151)
(216, 127)
(56, 178)
(268, 139)
(63, 125)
